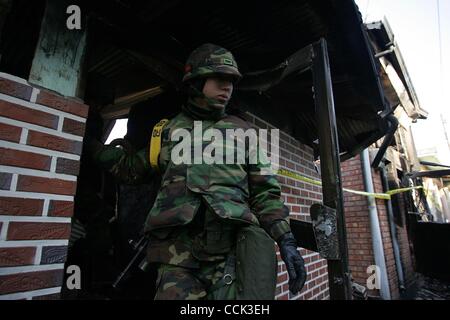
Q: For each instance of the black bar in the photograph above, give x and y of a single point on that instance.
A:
(304, 234)
(338, 272)
(393, 125)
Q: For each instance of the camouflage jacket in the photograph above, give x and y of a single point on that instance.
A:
(233, 191)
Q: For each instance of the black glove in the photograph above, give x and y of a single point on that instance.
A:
(294, 262)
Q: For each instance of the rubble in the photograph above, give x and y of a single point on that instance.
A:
(432, 289)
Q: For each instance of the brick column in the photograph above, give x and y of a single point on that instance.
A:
(298, 197)
(358, 227)
(41, 136)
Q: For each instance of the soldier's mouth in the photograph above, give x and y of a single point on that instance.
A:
(222, 98)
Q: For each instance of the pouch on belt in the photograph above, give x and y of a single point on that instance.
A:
(256, 264)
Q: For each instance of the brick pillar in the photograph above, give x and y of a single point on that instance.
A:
(298, 197)
(358, 227)
(386, 236)
(41, 136)
(357, 221)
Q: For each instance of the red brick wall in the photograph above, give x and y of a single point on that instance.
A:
(387, 239)
(299, 196)
(358, 229)
(386, 236)
(357, 221)
(41, 137)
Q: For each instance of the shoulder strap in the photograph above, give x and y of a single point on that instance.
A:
(237, 121)
(155, 143)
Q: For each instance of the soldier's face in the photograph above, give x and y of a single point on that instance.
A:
(220, 89)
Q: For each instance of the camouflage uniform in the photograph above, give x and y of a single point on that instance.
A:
(200, 207)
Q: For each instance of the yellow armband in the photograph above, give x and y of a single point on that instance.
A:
(155, 143)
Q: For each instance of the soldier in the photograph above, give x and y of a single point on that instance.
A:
(211, 227)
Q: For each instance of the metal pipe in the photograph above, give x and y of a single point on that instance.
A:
(433, 164)
(377, 241)
(398, 261)
(387, 140)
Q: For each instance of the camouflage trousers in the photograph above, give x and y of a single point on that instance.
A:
(211, 281)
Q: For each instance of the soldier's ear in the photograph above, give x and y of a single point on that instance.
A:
(194, 87)
(199, 84)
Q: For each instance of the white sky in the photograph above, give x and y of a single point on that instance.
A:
(119, 130)
(415, 26)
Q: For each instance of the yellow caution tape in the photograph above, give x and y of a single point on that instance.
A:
(392, 192)
(155, 149)
(290, 174)
(385, 196)
(155, 143)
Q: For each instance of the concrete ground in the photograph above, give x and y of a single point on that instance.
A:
(428, 288)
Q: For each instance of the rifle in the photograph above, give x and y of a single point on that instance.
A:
(139, 259)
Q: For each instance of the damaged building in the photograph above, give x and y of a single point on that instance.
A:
(374, 222)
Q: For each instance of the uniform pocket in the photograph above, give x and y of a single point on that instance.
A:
(229, 179)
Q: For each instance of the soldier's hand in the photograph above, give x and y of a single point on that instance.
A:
(294, 262)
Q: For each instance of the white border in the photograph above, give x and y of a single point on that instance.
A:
(31, 243)
(61, 220)
(45, 207)
(35, 195)
(38, 255)
(4, 232)
(15, 177)
(25, 269)
(14, 78)
(23, 135)
(34, 95)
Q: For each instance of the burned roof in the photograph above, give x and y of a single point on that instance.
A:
(385, 45)
(157, 37)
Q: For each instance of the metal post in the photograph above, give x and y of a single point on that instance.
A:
(338, 272)
(375, 230)
(394, 237)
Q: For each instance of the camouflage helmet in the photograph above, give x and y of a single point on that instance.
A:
(210, 59)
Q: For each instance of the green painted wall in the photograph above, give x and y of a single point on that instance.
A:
(60, 52)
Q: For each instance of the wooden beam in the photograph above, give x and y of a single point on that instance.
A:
(338, 270)
(122, 105)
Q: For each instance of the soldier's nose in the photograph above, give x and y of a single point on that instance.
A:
(227, 86)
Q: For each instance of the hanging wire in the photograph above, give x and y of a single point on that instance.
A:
(441, 70)
(367, 11)
(440, 43)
